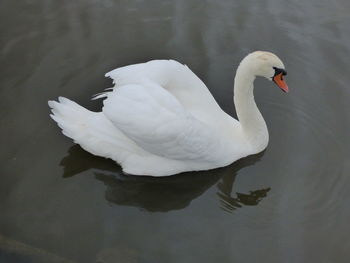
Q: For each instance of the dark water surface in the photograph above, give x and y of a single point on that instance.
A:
(288, 204)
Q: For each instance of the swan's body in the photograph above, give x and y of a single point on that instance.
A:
(160, 119)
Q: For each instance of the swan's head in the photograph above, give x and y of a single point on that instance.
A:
(268, 65)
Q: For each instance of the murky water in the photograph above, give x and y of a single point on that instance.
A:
(288, 204)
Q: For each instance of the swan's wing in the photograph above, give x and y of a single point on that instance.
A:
(175, 78)
(157, 122)
(168, 73)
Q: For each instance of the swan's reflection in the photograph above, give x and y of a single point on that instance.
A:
(164, 193)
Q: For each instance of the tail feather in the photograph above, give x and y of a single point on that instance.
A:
(70, 116)
(67, 108)
(92, 130)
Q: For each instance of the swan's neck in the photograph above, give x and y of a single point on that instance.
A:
(253, 124)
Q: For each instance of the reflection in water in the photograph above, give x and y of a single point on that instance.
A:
(253, 198)
(230, 203)
(162, 193)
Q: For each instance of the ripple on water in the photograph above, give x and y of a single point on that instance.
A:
(314, 157)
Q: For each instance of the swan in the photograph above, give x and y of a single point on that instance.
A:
(160, 119)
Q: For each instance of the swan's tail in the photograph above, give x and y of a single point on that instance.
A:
(70, 117)
(92, 130)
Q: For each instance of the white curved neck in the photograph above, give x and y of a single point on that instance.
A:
(253, 124)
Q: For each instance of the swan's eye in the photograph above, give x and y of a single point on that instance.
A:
(279, 71)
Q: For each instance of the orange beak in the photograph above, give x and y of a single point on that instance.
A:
(278, 79)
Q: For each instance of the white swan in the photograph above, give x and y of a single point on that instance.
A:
(160, 119)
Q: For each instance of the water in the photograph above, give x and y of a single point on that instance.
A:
(287, 204)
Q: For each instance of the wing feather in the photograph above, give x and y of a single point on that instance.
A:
(154, 119)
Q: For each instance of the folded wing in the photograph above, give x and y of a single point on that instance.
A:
(156, 121)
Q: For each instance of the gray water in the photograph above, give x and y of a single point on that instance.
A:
(290, 203)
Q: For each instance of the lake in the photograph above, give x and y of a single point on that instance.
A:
(290, 203)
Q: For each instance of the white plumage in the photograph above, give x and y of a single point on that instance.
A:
(160, 119)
